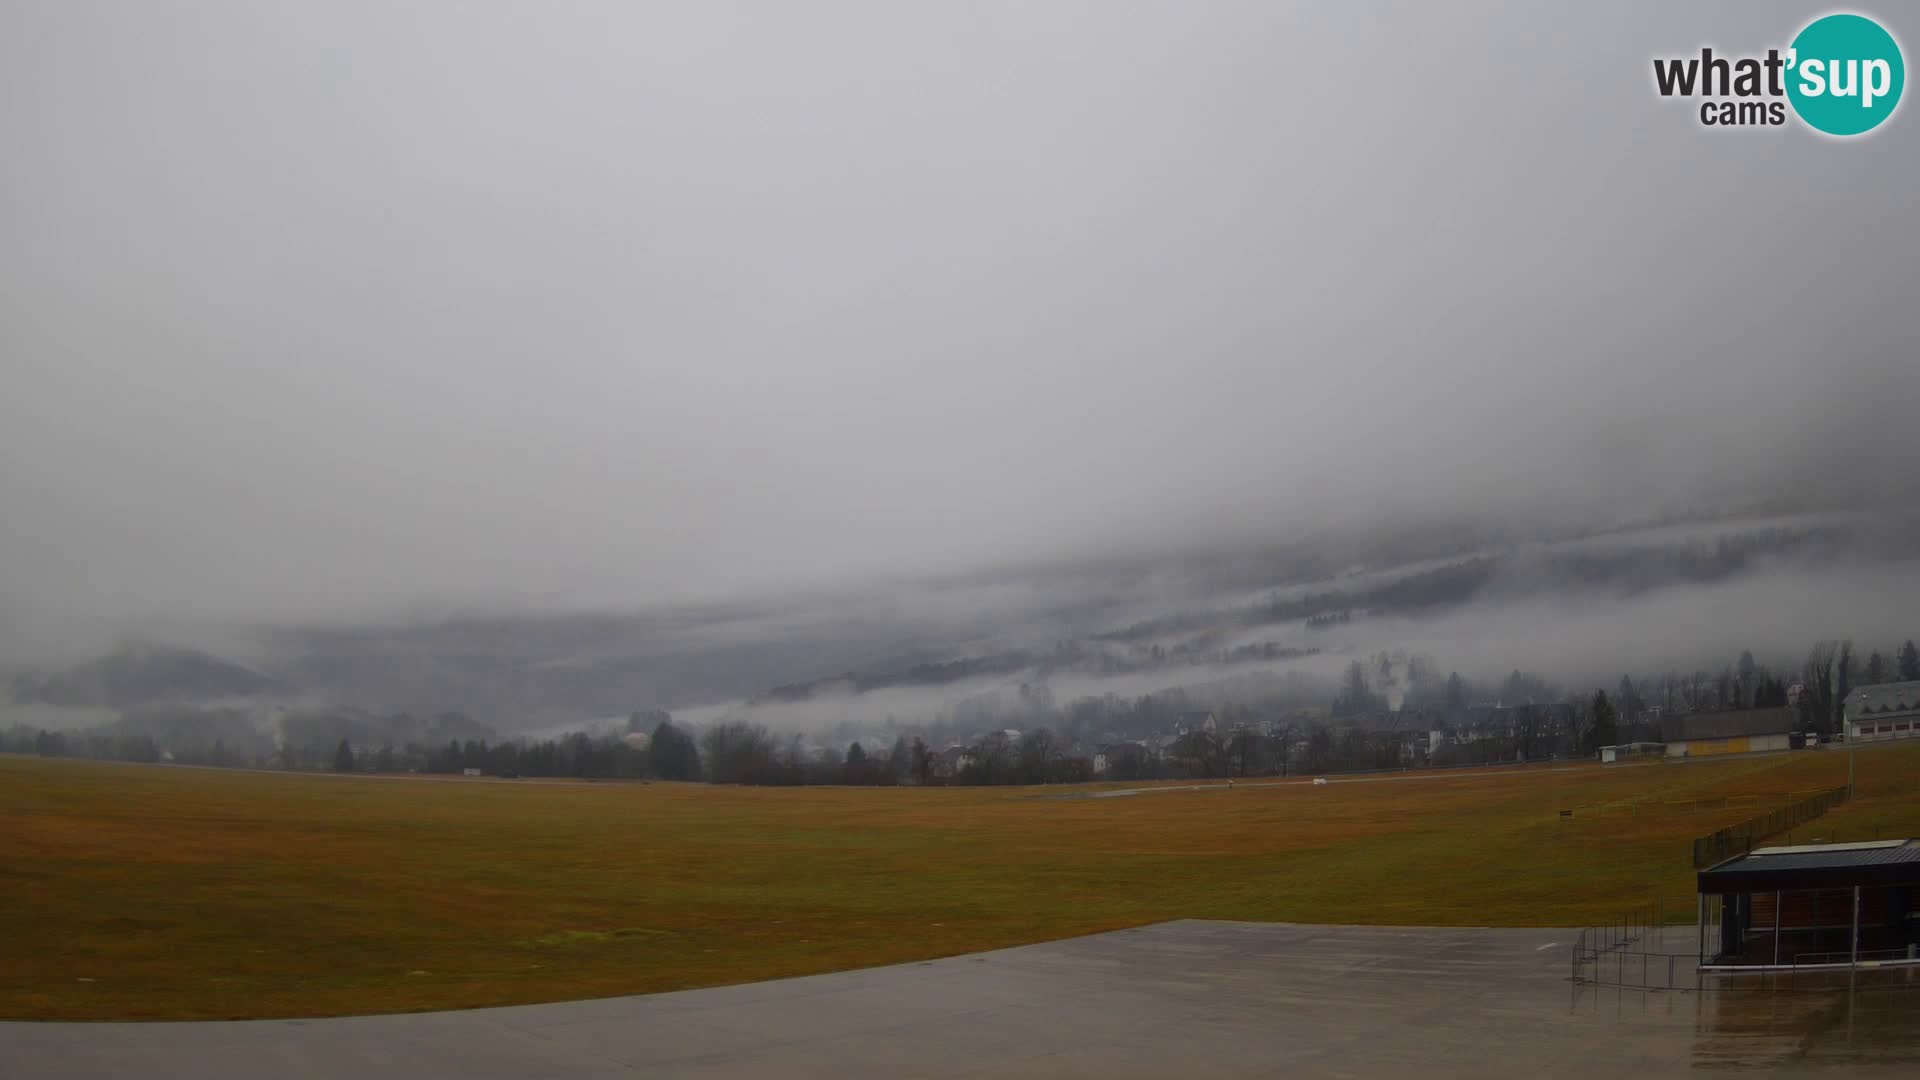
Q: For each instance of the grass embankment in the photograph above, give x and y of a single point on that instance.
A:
(152, 892)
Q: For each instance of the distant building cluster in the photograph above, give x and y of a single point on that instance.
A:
(1202, 743)
(1870, 714)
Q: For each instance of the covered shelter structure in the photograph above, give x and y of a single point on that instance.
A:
(1814, 905)
(1741, 731)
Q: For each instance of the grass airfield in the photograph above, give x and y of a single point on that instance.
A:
(144, 892)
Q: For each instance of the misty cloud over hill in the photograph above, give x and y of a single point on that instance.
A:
(147, 674)
(1578, 611)
(872, 360)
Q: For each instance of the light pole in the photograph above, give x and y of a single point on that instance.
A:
(1850, 741)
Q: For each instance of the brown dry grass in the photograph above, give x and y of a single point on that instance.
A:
(205, 893)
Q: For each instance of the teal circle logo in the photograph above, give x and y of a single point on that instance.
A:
(1845, 74)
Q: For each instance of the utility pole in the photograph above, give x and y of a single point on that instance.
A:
(1850, 741)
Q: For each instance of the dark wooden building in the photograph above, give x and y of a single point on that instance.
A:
(1816, 905)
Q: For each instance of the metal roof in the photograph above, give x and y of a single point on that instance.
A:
(1822, 856)
(1798, 849)
(1732, 724)
(1808, 866)
(1883, 699)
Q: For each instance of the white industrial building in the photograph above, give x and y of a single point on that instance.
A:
(1886, 711)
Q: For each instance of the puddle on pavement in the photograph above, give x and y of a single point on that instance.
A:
(1813, 1020)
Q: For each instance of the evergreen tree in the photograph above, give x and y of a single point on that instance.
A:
(1356, 693)
(1908, 664)
(673, 754)
(343, 757)
(922, 760)
(1626, 701)
(1604, 729)
(856, 768)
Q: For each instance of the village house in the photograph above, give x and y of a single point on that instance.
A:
(948, 763)
(1189, 722)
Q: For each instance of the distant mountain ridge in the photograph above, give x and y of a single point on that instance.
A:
(135, 675)
(1158, 621)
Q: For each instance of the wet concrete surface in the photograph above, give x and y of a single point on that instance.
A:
(1187, 999)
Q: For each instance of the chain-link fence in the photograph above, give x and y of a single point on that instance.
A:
(1718, 847)
(1634, 950)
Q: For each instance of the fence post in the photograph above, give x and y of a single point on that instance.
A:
(1853, 958)
(1777, 900)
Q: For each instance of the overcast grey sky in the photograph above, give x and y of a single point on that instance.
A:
(336, 310)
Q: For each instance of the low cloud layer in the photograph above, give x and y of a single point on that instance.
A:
(338, 314)
(1575, 638)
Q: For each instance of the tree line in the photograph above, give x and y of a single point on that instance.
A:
(1250, 739)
